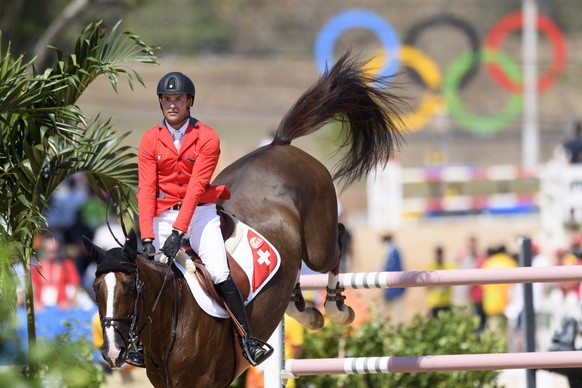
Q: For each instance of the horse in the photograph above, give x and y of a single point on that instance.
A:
(290, 198)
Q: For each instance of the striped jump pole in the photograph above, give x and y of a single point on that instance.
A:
(452, 277)
(444, 363)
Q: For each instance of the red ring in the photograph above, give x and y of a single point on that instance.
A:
(514, 21)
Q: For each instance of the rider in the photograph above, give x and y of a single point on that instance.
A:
(176, 160)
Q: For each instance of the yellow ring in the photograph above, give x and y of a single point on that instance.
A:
(428, 70)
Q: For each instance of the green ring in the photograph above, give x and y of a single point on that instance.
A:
(475, 123)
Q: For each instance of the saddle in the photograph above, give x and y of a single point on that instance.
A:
(227, 228)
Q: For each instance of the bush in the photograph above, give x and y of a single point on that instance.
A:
(453, 332)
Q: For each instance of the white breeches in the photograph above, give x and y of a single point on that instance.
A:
(204, 235)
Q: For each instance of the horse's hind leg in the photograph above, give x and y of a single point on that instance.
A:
(308, 316)
(335, 307)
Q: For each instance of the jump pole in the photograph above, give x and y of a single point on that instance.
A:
(451, 277)
(456, 277)
(445, 363)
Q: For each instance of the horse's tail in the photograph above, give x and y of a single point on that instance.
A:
(370, 115)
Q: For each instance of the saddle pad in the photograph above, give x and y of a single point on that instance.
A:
(256, 256)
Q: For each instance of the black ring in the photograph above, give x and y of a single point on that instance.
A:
(417, 29)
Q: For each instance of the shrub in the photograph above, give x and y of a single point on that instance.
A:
(453, 332)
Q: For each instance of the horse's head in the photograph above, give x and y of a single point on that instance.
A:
(116, 292)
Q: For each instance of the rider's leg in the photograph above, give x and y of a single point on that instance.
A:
(206, 240)
(253, 350)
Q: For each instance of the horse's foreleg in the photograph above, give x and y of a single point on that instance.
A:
(339, 312)
(308, 316)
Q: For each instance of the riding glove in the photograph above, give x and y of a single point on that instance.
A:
(172, 244)
(148, 248)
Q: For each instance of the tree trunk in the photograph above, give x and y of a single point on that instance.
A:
(34, 368)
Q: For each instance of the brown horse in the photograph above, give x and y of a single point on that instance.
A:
(286, 195)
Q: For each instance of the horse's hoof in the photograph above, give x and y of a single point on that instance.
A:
(344, 316)
(310, 318)
(316, 320)
(351, 315)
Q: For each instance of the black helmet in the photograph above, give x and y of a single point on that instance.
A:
(176, 83)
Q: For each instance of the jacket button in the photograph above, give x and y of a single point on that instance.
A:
(180, 185)
(179, 172)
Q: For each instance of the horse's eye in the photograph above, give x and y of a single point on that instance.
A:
(129, 288)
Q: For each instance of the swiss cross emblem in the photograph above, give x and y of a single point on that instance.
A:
(264, 257)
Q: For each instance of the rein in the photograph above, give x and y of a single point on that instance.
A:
(121, 223)
(134, 335)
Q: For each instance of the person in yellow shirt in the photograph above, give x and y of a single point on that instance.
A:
(496, 296)
(440, 298)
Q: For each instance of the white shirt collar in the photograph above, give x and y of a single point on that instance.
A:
(182, 129)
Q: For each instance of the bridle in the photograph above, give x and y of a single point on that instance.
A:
(120, 323)
(133, 333)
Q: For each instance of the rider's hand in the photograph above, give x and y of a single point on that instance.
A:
(172, 244)
(147, 247)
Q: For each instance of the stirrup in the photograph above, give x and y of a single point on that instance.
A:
(259, 345)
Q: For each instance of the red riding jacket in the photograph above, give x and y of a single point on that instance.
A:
(168, 177)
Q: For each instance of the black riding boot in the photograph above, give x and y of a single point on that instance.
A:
(252, 347)
(135, 356)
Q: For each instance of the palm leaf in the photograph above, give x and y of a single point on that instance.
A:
(46, 138)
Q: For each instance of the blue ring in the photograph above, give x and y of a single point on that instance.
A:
(357, 18)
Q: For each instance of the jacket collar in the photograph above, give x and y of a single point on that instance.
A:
(190, 137)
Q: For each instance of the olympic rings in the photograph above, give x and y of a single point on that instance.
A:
(512, 22)
(430, 75)
(355, 18)
(473, 37)
(504, 72)
(479, 124)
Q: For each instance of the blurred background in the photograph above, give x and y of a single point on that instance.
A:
(485, 159)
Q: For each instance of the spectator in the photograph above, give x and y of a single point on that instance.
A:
(476, 297)
(573, 146)
(468, 258)
(56, 280)
(440, 298)
(496, 296)
(65, 202)
(564, 299)
(393, 263)
(576, 244)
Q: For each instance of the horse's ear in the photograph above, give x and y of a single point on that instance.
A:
(130, 247)
(96, 252)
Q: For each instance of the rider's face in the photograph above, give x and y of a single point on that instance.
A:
(176, 108)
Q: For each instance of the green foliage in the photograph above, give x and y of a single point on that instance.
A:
(65, 363)
(452, 332)
(47, 139)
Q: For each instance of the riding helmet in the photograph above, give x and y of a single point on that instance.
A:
(176, 83)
